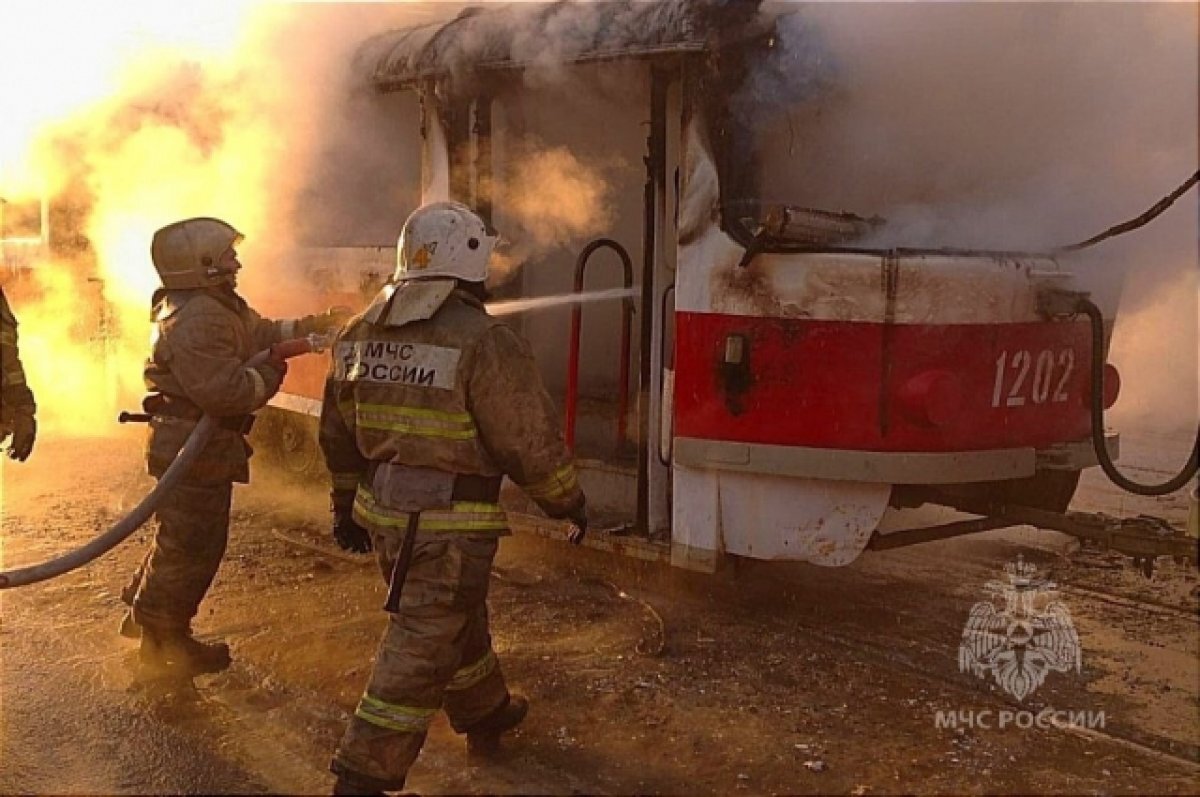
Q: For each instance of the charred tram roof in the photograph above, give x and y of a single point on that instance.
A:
(536, 34)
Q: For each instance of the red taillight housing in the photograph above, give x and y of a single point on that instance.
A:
(1112, 385)
(1111, 388)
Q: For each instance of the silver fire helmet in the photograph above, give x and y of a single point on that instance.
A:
(186, 253)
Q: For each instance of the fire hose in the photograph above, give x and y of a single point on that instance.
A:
(1097, 403)
(1085, 306)
(174, 473)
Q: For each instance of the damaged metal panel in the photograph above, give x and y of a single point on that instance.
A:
(523, 35)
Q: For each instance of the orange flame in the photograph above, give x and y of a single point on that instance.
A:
(133, 112)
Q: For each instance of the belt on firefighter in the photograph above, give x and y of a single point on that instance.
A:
(467, 486)
(175, 407)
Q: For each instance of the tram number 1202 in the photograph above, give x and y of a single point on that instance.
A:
(1016, 386)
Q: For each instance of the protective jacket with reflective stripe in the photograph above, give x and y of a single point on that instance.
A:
(457, 392)
(202, 338)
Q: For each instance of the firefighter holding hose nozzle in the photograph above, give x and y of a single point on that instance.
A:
(203, 334)
(17, 407)
(429, 403)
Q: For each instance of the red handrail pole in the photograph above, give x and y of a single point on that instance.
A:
(626, 333)
(573, 376)
(623, 383)
(572, 398)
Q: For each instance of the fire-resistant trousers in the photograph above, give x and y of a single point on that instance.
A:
(193, 530)
(435, 653)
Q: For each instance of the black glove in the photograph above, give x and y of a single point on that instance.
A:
(24, 432)
(578, 518)
(349, 535)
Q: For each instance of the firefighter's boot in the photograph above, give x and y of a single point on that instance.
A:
(483, 739)
(180, 652)
(129, 627)
(349, 786)
(350, 782)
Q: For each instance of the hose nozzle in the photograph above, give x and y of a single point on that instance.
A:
(318, 343)
(294, 347)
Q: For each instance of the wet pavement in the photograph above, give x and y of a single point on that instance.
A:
(770, 678)
(78, 715)
(65, 729)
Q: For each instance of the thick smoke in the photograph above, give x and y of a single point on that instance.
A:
(971, 121)
(543, 36)
(1021, 127)
(1015, 126)
(361, 160)
(259, 121)
(553, 199)
(270, 122)
(796, 67)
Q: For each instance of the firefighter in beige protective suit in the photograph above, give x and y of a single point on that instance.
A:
(204, 332)
(430, 401)
(17, 407)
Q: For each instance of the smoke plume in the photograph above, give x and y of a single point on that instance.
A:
(1020, 127)
(250, 113)
(1014, 126)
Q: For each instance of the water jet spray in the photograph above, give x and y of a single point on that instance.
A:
(510, 306)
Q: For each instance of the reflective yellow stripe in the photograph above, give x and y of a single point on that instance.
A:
(408, 719)
(495, 522)
(413, 430)
(419, 421)
(561, 483)
(417, 412)
(472, 674)
(462, 515)
(449, 521)
(345, 481)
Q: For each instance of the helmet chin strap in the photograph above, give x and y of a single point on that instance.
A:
(222, 276)
(216, 271)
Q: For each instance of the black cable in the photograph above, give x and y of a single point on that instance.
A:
(1097, 403)
(1141, 221)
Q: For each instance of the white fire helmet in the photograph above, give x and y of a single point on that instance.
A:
(186, 253)
(444, 239)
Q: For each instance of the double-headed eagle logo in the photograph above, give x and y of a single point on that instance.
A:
(422, 256)
(1020, 643)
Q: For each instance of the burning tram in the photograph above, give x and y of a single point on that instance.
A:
(773, 385)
